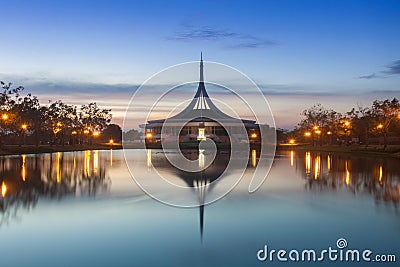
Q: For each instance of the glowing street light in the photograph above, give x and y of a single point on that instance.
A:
(307, 134)
(253, 135)
(329, 133)
(380, 126)
(111, 141)
(4, 116)
(316, 127)
(74, 132)
(318, 132)
(24, 126)
(86, 131)
(96, 133)
(292, 141)
(347, 123)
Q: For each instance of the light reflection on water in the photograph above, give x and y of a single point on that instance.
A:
(309, 200)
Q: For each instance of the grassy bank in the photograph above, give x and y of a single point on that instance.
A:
(32, 149)
(372, 150)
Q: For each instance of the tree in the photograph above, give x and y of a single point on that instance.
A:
(95, 118)
(62, 119)
(131, 135)
(112, 131)
(384, 112)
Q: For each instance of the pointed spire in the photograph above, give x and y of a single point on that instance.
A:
(201, 67)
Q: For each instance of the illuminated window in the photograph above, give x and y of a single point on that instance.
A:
(201, 135)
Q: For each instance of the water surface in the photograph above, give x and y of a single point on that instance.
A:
(84, 209)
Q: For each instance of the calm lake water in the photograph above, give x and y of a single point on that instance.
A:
(84, 209)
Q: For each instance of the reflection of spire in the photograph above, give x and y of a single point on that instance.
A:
(201, 186)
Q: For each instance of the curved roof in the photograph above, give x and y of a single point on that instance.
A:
(201, 108)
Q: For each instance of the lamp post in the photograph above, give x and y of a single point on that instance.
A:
(24, 127)
(318, 132)
(4, 117)
(308, 134)
(111, 142)
(329, 133)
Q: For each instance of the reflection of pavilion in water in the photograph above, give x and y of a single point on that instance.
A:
(25, 179)
(379, 177)
(201, 182)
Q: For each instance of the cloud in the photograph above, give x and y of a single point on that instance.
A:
(368, 77)
(230, 39)
(393, 68)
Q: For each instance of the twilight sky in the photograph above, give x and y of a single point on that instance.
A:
(338, 53)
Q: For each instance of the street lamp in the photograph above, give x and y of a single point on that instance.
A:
(96, 133)
(4, 116)
(292, 141)
(24, 127)
(380, 126)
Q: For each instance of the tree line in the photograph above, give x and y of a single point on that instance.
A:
(24, 120)
(380, 121)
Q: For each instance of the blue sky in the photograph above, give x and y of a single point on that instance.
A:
(338, 53)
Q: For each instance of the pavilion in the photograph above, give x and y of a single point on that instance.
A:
(201, 119)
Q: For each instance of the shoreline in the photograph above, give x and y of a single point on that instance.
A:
(371, 150)
(10, 150)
